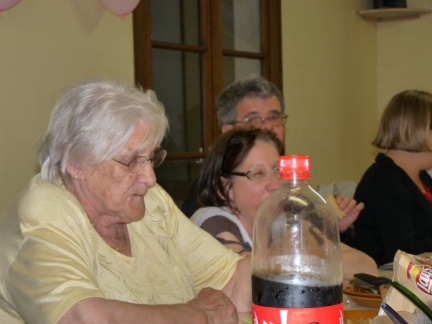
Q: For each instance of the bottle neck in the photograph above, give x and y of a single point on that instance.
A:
(295, 181)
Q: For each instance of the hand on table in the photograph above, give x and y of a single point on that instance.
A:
(216, 306)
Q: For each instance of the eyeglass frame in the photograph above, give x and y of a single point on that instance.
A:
(274, 170)
(251, 119)
(161, 154)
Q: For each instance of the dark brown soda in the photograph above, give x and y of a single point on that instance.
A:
(278, 294)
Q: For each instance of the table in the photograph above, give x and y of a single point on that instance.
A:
(353, 310)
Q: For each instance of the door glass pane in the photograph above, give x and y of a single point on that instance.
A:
(236, 68)
(241, 25)
(177, 83)
(175, 21)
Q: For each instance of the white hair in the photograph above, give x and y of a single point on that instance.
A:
(92, 121)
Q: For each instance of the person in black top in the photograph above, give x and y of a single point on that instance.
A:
(396, 189)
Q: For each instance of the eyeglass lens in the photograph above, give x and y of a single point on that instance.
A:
(259, 173)
(158, 158)
(141, 161)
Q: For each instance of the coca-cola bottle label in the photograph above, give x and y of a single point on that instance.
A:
(273, 315)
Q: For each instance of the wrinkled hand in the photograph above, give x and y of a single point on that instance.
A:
(351, 210)
(216, 306)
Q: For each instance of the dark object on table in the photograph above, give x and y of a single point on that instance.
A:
(378, 4)
(373, 280)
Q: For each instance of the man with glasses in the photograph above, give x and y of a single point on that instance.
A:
(256, 102)
(252, 102)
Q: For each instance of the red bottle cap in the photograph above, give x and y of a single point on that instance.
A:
(294, 167)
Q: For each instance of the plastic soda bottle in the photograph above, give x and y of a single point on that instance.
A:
(296, 259)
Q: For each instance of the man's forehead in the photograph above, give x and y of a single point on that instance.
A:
(260, 112)
(259, 106)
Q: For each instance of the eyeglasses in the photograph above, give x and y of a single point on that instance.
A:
(258, 122)
(257, 173)
(136, 164)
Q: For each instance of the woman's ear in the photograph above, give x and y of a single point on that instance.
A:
(73, 171)
(226, 181)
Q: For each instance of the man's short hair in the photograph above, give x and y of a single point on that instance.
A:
(250, 87)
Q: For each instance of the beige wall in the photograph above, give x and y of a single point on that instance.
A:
(339, 71)
(404, 54)
(45, 46)
(330, 86)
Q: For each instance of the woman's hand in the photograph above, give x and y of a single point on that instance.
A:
(216, 306)
(351, 210)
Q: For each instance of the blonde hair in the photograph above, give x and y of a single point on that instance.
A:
(406, 122)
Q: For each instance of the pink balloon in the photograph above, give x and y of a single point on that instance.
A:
(7, 4)
(119, 7)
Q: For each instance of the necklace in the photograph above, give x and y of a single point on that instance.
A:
(120, 241)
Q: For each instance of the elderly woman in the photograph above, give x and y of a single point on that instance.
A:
(238, 175)
(94, 239)
(396, 188)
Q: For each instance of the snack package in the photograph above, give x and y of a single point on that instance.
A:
(414, 273)
(411, 288)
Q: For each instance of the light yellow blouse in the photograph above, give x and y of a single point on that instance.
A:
(53, 257)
